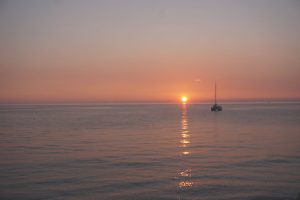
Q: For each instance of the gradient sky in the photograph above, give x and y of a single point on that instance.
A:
(102, 51)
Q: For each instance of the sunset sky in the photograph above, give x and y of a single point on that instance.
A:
(114, 51)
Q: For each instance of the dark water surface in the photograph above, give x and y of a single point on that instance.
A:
(150, 152)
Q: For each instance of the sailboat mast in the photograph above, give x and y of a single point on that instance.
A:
(215, 93)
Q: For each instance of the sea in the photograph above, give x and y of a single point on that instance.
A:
(249, 151)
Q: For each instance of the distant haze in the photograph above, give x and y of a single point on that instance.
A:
(108, 51)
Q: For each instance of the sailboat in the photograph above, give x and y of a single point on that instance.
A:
(216, 107)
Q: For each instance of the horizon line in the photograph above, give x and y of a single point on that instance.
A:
(224, 101)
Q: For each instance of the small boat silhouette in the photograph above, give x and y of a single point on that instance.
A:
(216, 107)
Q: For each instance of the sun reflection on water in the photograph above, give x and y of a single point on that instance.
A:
(184, 135)
(185, 184)
(185, 173)
(184, 141)
(186, 153)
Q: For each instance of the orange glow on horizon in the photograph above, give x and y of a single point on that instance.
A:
(109, 62)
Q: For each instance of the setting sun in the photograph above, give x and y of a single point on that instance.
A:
(184, 99)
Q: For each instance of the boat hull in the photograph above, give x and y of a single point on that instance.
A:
(216, 108)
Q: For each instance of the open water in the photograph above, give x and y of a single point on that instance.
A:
(150, 151)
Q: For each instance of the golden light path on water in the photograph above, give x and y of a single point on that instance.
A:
(185, 173)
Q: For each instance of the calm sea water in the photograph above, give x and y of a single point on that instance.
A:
(150, 152)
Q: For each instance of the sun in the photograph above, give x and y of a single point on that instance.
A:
(184, 99)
